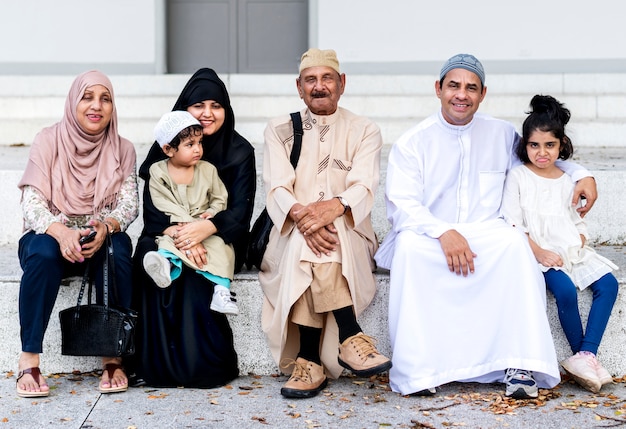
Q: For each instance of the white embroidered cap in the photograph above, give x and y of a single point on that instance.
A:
(171, 124)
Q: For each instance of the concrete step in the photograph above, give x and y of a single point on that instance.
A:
(254, 356)
(597, 101)
(604, 221)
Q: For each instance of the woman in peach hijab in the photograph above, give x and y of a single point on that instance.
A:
(80, 176)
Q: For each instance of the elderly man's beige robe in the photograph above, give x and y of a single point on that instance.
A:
(340, 157)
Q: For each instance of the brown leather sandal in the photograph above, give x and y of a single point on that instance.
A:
(110, 369)
(36, 374)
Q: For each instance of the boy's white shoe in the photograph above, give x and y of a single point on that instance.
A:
(222, 301)
(158, 268)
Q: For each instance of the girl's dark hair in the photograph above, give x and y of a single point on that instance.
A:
(184, 134)
(549, 115)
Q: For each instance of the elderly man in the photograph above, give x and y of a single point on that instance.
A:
(317, 270)
(467, 302)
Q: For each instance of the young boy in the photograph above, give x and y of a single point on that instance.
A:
(188, 189)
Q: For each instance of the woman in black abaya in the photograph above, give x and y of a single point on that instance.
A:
(180, 341)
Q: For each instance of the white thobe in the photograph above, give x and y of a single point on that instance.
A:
(446, 327)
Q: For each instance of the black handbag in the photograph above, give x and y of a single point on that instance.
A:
(94, 329)
(260, 232)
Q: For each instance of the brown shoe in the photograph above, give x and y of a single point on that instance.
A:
(306, 381)
(358, 354)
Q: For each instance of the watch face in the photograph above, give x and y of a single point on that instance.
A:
(343, 201)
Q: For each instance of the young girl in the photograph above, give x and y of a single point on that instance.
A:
(188, 189)
(537, 199)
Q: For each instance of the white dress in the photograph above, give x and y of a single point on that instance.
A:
(444, 327)
(541, 207)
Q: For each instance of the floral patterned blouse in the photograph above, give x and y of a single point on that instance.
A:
(39, 213)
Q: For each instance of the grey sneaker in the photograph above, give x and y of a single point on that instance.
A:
(520, 384)
(426, 392)
(158, 268)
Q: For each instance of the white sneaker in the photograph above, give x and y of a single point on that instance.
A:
(604, 376)
(582, 368)
(222, 301)
(158, 268)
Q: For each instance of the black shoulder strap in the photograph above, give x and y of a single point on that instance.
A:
(297, 138)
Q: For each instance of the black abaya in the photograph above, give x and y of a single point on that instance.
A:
(180, 341)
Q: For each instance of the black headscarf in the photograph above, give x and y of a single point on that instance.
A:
(222, 149)
(229, 152)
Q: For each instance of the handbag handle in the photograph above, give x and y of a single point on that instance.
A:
(109, 270)
(108, 273)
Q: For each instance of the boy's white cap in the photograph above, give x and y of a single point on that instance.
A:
(171, 124)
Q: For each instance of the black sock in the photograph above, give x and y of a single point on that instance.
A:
(346, 321)
(310, 343)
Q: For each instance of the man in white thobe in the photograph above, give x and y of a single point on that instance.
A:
(467, 302)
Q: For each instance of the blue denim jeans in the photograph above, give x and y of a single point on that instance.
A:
(566, 295)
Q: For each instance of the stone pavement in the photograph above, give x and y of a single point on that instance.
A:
(349, 402)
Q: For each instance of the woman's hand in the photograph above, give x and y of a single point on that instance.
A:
(68, 238)
(197, 255)
(89, 249)
(68, 241)
(189, 235)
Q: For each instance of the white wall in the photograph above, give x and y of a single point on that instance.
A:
(534, 35)
(377, 36)
(53, 32)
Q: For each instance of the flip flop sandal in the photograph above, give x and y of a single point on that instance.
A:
(110, 369)
(35, 373)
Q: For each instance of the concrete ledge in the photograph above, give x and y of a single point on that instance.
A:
(604, 221)
(254, 356)
(395, 102)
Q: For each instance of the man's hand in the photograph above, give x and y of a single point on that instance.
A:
(458, 254)
(315, 216)
(324, 241)
(586, 188)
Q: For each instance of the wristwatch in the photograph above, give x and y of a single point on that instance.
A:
(344, 203)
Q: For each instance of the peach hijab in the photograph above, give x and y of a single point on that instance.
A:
(79, 173)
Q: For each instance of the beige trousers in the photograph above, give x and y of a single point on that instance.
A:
(328, 291)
